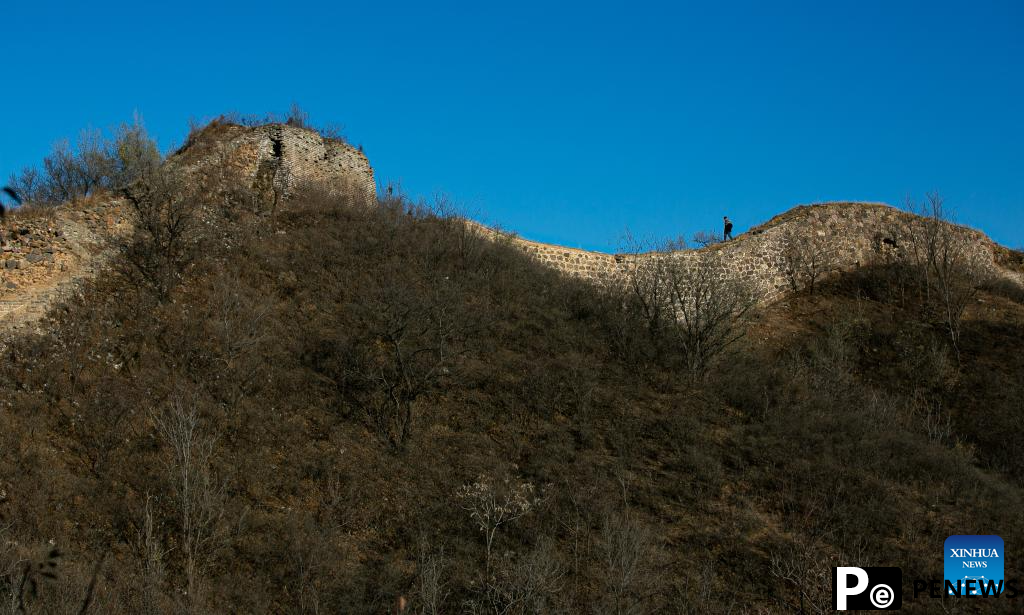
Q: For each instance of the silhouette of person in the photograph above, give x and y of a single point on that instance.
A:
(16, 199)
(728, 228)
(14, 196)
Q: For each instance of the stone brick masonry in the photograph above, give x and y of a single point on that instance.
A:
(44, 256)
(848, 234)
(276, 160)
(46, 252)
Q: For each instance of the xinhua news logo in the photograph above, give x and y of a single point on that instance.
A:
(974, 565)
(878, 588)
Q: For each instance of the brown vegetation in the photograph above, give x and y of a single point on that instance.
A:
(341, 409)
(96, 163)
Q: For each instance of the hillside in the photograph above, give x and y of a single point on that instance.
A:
(305, 404)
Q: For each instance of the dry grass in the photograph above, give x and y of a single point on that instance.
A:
(646, 492)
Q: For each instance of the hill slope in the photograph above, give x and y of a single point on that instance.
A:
(321, 408)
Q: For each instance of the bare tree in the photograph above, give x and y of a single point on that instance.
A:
(64, 177)
(806, 570)
(709, 305)
(492, 505)
(628, 548)
(134, 154)
(432, 588)
(164, 242)
(307, 560)
(199, 497)
(236, 322)
(96, 162)
(704, 239)
(806, 258)
(297, 117)
(28, 184)
(692, 304)
(524, 584)
(409, 349)
(153, 562)
(940, 256)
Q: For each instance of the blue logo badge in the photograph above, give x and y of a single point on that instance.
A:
(976, 562)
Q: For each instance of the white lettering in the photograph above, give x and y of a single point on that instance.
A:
(843, 590)
(974, 552)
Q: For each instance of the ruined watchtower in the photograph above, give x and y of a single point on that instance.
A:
(276, 160)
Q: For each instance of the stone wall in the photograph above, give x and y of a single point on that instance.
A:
(45, 252)
(845, 236)
(34, 242)
(28, 244)
(276, 160)
(589, 265)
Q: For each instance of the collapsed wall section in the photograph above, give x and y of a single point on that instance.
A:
(44, 253)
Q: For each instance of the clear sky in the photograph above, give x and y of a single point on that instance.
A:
(568, 122)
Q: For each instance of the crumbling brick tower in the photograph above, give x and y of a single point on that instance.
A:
(276, 160)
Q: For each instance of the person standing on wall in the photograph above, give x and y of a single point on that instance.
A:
(728, 228)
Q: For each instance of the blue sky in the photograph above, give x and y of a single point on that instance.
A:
(568, 122)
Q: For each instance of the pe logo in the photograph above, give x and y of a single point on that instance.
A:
(869, 589)
(976, 562)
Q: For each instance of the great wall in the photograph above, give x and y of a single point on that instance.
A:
(46, 254)
(275, 160)
(842, 236)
